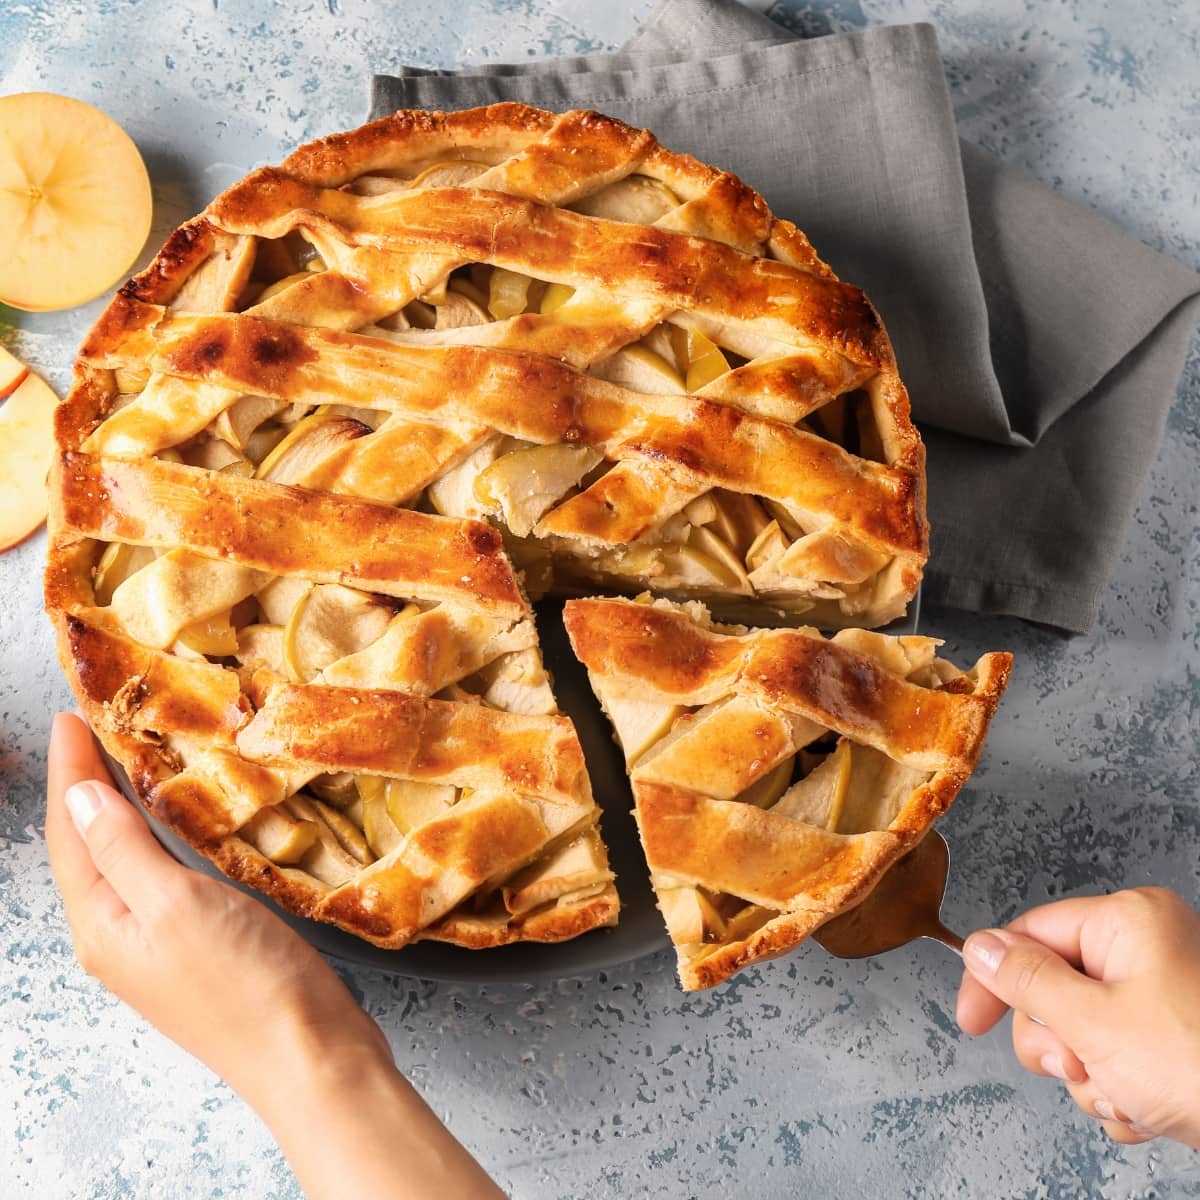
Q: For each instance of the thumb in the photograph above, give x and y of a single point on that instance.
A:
(120, 843)
(1032, 979)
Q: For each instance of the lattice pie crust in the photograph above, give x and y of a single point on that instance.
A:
(320, 455)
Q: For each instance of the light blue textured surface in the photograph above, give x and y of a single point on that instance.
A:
(810, 1076)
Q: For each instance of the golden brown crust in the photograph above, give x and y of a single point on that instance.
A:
(412, 737)
(704, 443)
(722, 251)
(287, 530)
(720, 258)
(550, 243)
(698, 833)
(795, 670)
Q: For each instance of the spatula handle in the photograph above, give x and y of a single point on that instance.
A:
(948, 938)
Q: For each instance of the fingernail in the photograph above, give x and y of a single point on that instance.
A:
(1143, 1130)
(985, 951)
(1104, 1110)
(84, 801)
(1052, 1064)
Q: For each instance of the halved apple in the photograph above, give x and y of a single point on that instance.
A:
(26, 445)
(75, 202)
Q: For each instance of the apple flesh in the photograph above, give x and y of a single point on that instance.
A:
(26, 444)
(75, 202)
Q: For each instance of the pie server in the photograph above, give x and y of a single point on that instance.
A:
(906, 904)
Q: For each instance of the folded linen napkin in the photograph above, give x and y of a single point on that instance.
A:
(1041, 345)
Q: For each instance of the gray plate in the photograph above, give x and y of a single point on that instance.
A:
(640, 931)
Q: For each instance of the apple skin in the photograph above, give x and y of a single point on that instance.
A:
(13, 373)
(26, 447)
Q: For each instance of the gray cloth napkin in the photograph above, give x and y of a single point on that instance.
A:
(1041, 345)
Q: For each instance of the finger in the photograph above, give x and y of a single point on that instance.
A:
(1033, 979)
(978, 1010)
(1093, 1103)
(122, 847)
(1041, 1051)
(1127, 1135)
(73, 759)
(1080, 929)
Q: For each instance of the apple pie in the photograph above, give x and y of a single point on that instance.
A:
(321, 455)
(776, 774)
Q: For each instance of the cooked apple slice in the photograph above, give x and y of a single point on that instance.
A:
(238, 422)
(517, 683)
(280, 597)
(456, 311)
(817, 799)
(701, 511)
(449, 174)
(767, 547)
(876, 789)
(525, 484)
(299, 456)
(688, 567)
(75, 202)
(213, 636)
(740, 519)
(717, 548)
(378, 827)
(420, 315)
(641, 369)
(508, 293)
(690, 915)
(703, 357)
(637, 723)
(340, 851)
(262, 646)
(26, 446)
(764, 792)
(578, 869)
(555, 296)
(465, 286)
(277, 835)
(637, 199)
(411, 803)
(329, 622)
(117, 563)
(453, 492)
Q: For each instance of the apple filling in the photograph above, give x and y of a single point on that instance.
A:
(718, 543)
(572, 519)
(280, 630)
(804, 773)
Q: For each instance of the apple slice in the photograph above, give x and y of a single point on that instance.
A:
(13, 373)
(26, 444)
(75, 202)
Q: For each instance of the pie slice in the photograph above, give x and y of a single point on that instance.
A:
(613, 353)
(776, 774)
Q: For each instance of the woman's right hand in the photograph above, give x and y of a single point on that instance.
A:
(1105, 992)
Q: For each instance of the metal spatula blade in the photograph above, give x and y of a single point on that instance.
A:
(905, 905)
